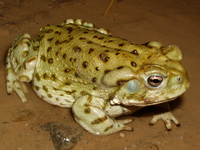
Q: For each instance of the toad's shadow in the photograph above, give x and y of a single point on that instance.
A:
(149, 110)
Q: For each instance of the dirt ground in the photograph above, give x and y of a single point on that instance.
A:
(168, 21)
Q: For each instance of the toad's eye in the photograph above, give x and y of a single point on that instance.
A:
(155, 80)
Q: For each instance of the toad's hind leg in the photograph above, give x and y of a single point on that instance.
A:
(94, 119)
(19, 65)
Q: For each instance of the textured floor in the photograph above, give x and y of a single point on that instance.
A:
(169, 21)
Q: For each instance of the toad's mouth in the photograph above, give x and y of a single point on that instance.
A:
(147, 102)
(150, 102)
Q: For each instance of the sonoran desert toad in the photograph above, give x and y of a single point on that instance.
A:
(78, 65)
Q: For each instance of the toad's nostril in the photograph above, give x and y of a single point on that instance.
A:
(179, 79)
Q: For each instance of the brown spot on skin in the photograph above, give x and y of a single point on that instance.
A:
(85, 32)
(64, 56)
(16, 61)
(77, 49)
(29, 60)
(37, 76)
(94, 79)
(110, 127)
(146, 45)
(106, 51)
(87, 104)
(57, 42)
(133, 64)
(90, 50)
(87, 110)
(129, 97)
(41, 37)
(50, 60)
(149, 56)
(70, 38)
(67, 83)
(36, 87)
(28, 43)
(99, 120)
(168, 61)
(70, 92)
(101, 38)
(66, 70)
(110, 40)
(97, 68)
(49, 49)
(117, 53)
(81, 38)
(20, 67)
(23, 77)
(121, 82)
(77, 74)
(61, 42)
(89, 99)
(106, 71)
(53, 77)
(120, 67)
(50, 39)
(49, 95)
(45, 76)
(55, 89)
(89, 42)
(43, 58)
(95, 37)
(57, 53)
(121, 44)
(135, 52)
(15, 46)
(45, 88)
(85, 64)
(57, 32)
(84, 93)
(69, 29)
(35, 48)
(67, 101)
(104, 57)
(94, 88)
(49, 31)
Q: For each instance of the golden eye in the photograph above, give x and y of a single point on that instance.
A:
(155, 80)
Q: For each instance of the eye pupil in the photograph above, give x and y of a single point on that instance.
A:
(155, 80)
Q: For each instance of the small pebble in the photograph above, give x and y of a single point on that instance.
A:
(122, 135)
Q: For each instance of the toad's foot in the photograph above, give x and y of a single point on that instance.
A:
(94, 120)
(166, 116)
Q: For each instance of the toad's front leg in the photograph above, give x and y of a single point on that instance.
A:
(165, 115)
(88, 112)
